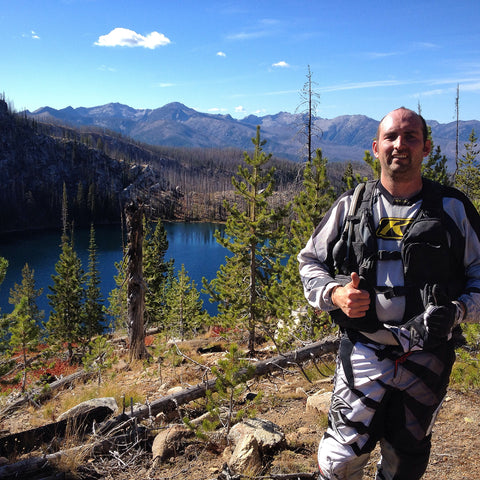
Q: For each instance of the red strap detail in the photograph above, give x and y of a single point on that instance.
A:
(400, 360)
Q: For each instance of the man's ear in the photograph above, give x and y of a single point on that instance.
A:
(427, 148)
(374, 149)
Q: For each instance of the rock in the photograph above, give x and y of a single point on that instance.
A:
(246, 458)
(227, 453)
(170, 441)
(108, 402)
(121, 366)
(319, 403)
(301, 391)
(173, 390)
(267, 434)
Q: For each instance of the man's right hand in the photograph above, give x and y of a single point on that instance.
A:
(353, 301)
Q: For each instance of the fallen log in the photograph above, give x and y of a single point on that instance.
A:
(170, 403)
(38, 395)
(28, 440)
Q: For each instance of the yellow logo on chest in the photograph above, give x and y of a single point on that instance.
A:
(392, 228)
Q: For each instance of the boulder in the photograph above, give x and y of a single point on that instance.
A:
(246, 457)
(319, 403)
(168, 442)
(267, 434)
(109, 403)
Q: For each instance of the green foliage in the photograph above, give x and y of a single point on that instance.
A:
(24, 332)
(232, 374)
(434, 166)
(310, 205)
(466, 372)
(157, 273)
(350, 179)
(28, 291)
(186, 315)
(66, 299)
(471, 332)
(93, 317)
(254, 234)
(373, 163)
(99, 357)
(467, 176)
(3, 269)
(158, 277)
(117, 299)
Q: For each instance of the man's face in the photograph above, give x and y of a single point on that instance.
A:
(400, 147)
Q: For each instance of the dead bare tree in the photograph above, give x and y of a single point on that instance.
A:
(308, 109)
(135, 282)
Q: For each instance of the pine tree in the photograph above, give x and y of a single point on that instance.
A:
(185, 308)
(310, 205)
(3, 269)
(27, 290)
(117, 298)
(434, 166)
(3, 320)
(66, 299)
(93, 317)
(350, 179)
(253, 234)
(373, 162)
(24, 332)
(467, 178)
(157, 272)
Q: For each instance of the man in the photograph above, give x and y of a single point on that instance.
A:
(396, 262)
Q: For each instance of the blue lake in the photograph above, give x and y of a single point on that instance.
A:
(191, 244)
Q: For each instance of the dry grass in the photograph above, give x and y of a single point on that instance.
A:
(456, 440)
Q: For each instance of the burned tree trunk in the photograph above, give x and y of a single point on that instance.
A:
(135, 283)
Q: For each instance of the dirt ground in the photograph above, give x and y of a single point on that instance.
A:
(456, 437)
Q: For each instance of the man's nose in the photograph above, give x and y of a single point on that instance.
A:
(398, 141)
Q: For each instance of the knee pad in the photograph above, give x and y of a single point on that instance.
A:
(339, 462)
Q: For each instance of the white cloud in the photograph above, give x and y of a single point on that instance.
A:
(281, 64)
(124, 37)
(471, 87)
(375, 55)
(33, 34)
(221, 54)
(165, 85)
(216, 110)
(359, 85)
(239, 109)
(247, 35)
(105, 68)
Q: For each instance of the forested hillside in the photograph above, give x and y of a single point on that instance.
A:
(101, 170)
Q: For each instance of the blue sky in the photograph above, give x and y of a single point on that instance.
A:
(243, 57)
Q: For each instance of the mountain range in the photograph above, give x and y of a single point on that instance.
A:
(342, 138)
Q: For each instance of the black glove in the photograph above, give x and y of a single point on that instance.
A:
(435, 324)
(418, 331)
(440, 314)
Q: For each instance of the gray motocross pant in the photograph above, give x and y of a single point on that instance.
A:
(383, 395)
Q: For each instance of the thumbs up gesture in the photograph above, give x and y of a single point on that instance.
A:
(352, 300)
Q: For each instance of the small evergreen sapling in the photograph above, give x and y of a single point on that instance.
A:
(24, 333)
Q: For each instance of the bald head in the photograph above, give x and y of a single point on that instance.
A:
(410, 112)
